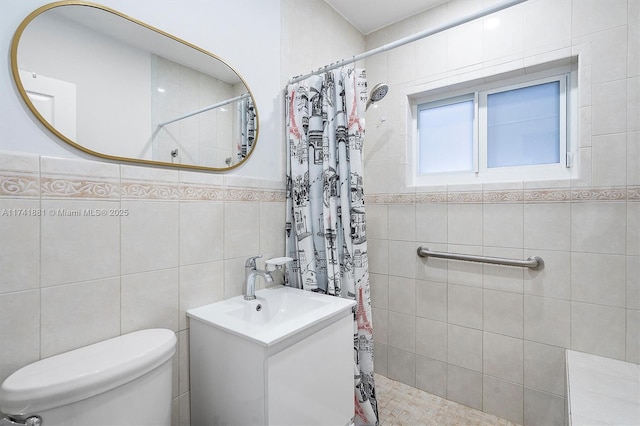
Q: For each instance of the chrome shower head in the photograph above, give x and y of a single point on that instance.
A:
(378, 92)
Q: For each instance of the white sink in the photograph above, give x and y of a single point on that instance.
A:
(275, 315)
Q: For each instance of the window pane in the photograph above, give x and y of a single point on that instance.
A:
(523, 126)
(446, 138)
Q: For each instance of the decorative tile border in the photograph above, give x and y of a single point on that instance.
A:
(31, 185)
(16, 184)
(402, 198)
(19, 185)
(273, 196)
(218, 193)
(431, 197)
(149, 190)
(547, 195)
(252, 194)
(78, 188)
(631, 193)
(376, 199)
(503, 197)
(465, 197)
(201, 193)
(599, 194)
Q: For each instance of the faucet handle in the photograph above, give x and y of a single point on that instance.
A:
(251, 262)
(277, 263)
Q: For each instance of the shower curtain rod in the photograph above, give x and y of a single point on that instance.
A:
(207, 108)
(481, 13)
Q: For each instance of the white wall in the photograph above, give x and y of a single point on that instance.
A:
(254, 51)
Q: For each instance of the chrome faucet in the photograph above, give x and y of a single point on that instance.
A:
(250, 274)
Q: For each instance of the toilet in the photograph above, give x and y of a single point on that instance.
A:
(122, 381)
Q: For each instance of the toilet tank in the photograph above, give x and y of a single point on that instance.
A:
(125, 380)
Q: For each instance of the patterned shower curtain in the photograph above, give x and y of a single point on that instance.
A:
(326, 231)
(247, 127)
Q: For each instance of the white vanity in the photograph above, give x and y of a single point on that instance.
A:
(285, 358)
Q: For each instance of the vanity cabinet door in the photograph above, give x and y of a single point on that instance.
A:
(311, 382)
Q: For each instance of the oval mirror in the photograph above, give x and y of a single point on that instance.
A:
(122, 90)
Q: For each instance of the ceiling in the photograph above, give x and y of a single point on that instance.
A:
(371, 15)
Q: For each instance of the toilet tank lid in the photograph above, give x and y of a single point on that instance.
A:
(85, 372)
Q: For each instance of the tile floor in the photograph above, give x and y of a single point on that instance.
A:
(403, 405)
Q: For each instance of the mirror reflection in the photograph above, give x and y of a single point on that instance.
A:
(122, 90)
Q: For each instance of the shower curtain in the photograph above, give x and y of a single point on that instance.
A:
(326, 230)
(247, 118)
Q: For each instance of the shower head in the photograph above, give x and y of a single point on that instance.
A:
(378, 92)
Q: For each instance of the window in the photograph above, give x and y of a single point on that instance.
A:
(523, 126)
(450, 121)
(507, 131)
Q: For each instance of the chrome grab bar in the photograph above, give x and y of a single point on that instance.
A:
(533, 262)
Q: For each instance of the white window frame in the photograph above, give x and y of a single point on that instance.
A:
(565, 169)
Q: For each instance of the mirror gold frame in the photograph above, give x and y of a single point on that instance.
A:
(23, 92)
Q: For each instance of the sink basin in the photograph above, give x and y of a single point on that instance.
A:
(276, 314)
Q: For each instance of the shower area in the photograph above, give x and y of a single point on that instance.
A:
(199, 119)
(493, 337)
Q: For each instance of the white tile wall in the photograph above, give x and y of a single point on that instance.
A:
(198, 219)
(465, 306)
(150, 299)
(464, 347)
(507, 328)
(240, 225)
(464, 386)
(20, 263)
(547, 320)
(187, 90)
(599, 330)
(402, 365)
(504, 398)
(404, 292)
(24, 329)
(431, 339)
(547, 226)
(431, 300)
(72, 277)
(541, 408)
(502, 225)
(431, 376)
(402, 331)
(149, 242)
(606, 223)
(465, 224)
(598, 278)
(503, 312)
(591, 16)
(544, 367)
(502, 357)
(633, 282)
(75, 315)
